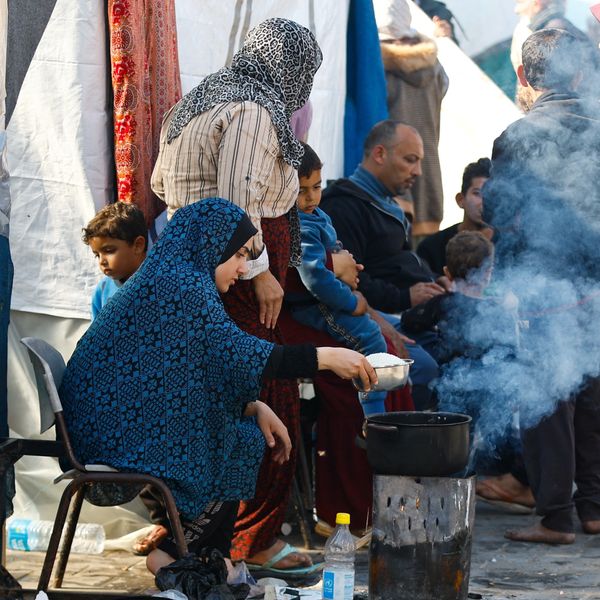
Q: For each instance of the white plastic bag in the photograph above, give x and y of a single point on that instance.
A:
(172, 594)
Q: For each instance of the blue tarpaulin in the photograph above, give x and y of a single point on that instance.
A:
(366, 92)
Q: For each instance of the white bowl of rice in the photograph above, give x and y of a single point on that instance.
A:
(392, 372)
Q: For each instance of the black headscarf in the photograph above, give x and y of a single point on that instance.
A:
(243, 232)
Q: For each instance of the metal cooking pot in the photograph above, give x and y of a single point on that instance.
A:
(420, 444)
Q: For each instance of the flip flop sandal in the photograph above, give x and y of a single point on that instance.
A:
(298, 573)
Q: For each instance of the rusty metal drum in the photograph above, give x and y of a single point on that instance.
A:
(422, 534)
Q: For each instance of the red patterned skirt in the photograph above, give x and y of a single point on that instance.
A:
(343, 477)
(260, 519)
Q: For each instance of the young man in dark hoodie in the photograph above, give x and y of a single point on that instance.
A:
(542, 199)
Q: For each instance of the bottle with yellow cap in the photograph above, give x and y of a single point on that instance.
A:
(338, 573)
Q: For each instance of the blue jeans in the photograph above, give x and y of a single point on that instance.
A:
(424, 370)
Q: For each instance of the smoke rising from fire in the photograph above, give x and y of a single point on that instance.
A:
(544, 200)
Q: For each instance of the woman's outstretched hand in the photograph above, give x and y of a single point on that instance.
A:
(347, 364)
(275, 432)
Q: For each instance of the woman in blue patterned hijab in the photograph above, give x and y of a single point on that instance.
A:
(163, 382)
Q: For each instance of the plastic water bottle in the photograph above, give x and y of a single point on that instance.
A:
(338, 574)
(30, 535)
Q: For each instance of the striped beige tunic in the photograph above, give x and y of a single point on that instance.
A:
(230, 151)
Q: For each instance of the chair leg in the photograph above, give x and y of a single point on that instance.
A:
(301, 515)
(59, 523)
(173, 515)
(65, 549)
(303, 472)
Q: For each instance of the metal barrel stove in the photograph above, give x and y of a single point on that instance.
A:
(422, 534)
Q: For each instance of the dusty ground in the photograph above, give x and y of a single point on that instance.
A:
(500, 569)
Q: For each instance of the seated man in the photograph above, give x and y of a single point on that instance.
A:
(433, 248)
(372, 226)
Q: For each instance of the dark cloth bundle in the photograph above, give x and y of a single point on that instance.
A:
(201, 577)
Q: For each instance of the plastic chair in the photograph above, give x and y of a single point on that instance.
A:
(49, 367)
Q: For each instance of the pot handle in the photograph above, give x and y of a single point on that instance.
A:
(386, 430)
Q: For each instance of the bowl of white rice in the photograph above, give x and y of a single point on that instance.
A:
(392, 372)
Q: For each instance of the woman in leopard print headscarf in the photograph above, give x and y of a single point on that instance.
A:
(231, 137)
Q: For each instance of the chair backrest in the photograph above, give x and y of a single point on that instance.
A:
(49, 367)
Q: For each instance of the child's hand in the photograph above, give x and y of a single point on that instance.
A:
(361, 306)
(346, 269)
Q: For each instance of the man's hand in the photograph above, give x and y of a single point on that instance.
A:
(391, 333)
(346, 269)
(361, 306)
(270, 297)
(421, 292)
(275, 432)
(445, 283)
(442, 28)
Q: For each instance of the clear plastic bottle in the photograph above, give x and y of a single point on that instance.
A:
(32, 535)
(338, 573)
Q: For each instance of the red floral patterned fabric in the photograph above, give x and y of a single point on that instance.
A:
(146, 83)
(260, 519)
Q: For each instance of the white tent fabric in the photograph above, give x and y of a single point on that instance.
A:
(59, 149)
(487, 23)
(3, 33)
(222, 26)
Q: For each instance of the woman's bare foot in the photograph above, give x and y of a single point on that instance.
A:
(505, 488)
(157, 559)
(145, 544)
(293, 560)
(540, 535)
(591, 527)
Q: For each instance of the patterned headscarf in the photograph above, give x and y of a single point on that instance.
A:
(274, 68)
(158, 382)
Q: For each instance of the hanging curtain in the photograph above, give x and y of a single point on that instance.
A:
(146, 83)
(366, 92)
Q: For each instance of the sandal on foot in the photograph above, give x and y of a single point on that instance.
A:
(267, 569)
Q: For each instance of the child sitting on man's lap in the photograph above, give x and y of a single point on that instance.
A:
(330, 305)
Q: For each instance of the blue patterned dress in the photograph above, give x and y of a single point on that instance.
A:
(159, 381)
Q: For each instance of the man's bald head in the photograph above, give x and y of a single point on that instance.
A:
(387, 133)
(393, 152)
